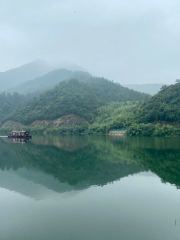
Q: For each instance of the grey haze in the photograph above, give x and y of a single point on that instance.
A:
(129, 41)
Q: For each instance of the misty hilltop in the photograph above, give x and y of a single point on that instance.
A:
(16, 76)
(11, 80)
(48, 81)
(149, 88)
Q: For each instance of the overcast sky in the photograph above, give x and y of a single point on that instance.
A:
(130, 41)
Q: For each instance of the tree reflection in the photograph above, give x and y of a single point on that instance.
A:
(85, 161)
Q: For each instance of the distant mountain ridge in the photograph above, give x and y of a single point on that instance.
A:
(16, 76)
(11, 80)
(149, 88)
(48, 81)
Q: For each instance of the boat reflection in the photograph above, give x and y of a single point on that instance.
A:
(19, 140)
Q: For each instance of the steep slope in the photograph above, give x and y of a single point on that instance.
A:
(10, 102)
(150, 88)
(74, 97)
(164, 106)
(47, 81)
(21, 74)
(108, 91)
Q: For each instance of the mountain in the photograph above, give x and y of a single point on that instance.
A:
(79, 97)
(164, 106)
(69, 66)
(24, 73)
(151, 88)
(48, 81)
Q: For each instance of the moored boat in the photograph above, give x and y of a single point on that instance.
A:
(20, 134)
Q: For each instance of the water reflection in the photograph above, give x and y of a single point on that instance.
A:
(65, 163)
(41, 185)
(19, 140)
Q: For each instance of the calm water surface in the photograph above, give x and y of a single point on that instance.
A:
(90, 188)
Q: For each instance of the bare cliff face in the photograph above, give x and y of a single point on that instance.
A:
(11, 124)
(67, 120)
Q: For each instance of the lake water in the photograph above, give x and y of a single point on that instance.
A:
(90, 187)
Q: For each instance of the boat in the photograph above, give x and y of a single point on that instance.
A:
(20, 134)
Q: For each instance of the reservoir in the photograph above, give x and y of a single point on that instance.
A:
(90, 188)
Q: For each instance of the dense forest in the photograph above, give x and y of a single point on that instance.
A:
(164, 106)
(102, 104)
(82, 98)
(11, 102)
(159, 115)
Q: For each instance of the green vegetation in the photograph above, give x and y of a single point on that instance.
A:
(83, 161)
(150, 129)
(103, 104)
(113, 116)
(75, 97)
(159, 115)
(81, 167)
(164, 106)
(11, 102)
(70, 97)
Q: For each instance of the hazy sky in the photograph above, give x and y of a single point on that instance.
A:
(130, 41)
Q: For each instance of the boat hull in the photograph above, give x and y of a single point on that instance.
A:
(27, 137)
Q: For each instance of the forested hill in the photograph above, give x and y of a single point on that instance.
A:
(164, 106)
(48, 81)
(77, 97)
(10, 102)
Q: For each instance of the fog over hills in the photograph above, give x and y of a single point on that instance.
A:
(17, 76)
(41, 75)
(150, 88)
(47, 81)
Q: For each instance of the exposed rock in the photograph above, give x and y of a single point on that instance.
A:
(41, 123)
(69, 120)
(11, 124)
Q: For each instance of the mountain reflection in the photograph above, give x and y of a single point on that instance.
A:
(68, 163)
